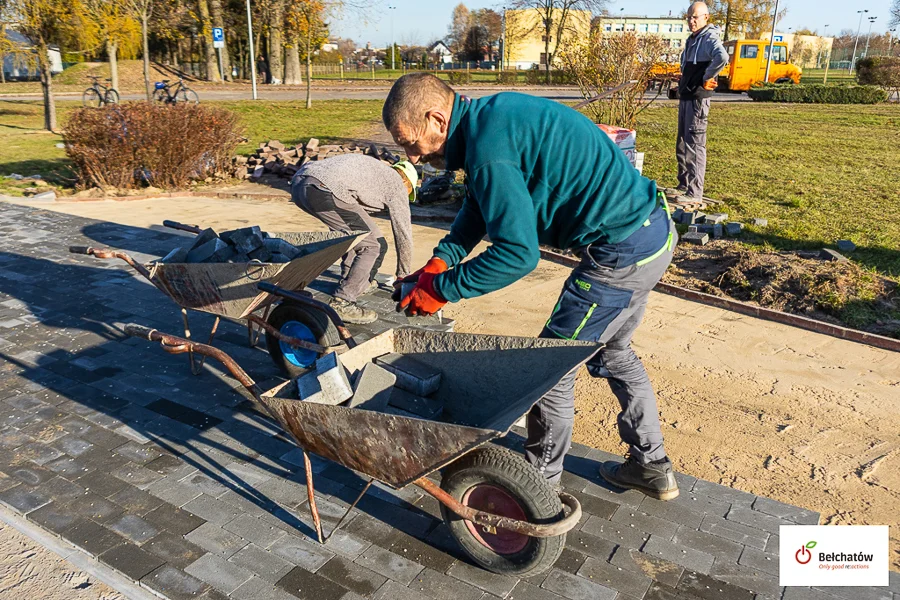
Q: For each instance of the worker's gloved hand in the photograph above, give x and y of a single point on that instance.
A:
(711, 84)
(424, 299)
(434, 266)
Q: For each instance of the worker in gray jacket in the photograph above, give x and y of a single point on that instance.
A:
(703, 57)
(341, 192)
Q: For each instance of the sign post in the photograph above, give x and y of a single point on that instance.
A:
(218, 35)
(252, 55)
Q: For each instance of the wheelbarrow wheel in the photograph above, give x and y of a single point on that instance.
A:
(496, 480)
(302, 323)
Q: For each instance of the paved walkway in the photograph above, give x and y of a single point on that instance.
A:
(178, 483)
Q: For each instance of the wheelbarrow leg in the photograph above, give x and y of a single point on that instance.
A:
(352, 506)
(197, 366)
(312, 497)
(255, 332)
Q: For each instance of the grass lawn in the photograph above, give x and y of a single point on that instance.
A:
(834, 76)
(818, 173)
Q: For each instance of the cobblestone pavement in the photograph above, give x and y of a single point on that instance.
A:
(180, 484)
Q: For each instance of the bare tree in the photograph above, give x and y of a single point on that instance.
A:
(554, 20)
(895, 13)
(116, 29)
(460, 22)
(143, 9)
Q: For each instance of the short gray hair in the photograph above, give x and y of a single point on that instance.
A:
(411, 96)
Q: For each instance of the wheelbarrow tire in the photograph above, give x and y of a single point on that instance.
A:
(303, 322)
(517, 482)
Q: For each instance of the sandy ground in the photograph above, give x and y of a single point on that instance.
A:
(792, 415)
(28, 570)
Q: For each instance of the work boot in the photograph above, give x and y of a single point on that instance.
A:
(655, 479)
(353, 313)
(373, 285)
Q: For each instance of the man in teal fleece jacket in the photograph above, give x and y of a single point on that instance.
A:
(538, 172)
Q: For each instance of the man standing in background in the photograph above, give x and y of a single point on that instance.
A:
(703, 57)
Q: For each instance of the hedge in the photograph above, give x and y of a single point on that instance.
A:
(819, 94)
(508, 77)
(460, 77)
(883, 71)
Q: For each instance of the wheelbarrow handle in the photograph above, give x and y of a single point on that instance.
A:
(81, 250)
(179, 345)
(182, 226)
(271, 288)
(107, 253)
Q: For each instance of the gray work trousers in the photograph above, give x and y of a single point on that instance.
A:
(690, 148)
(604, 300)
(361, 263)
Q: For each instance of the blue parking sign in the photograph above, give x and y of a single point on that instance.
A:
(218, 35)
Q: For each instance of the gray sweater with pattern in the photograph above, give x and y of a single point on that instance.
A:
(361, 180)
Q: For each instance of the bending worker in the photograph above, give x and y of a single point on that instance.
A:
(341, 192)
(703, 57)
(538, 173)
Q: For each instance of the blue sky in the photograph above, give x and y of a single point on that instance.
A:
(422, 21)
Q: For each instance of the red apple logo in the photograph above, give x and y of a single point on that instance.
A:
(803, 555)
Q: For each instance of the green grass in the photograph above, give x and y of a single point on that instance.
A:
(834, 76)
(818, 173)
(26, 149)
(392, 74)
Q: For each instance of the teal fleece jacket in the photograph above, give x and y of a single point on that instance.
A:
(537, 172)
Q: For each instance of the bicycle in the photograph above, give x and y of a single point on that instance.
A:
(98, 94)
(173, 94)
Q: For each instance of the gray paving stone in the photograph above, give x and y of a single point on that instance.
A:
(614, 577)
(722, 549)
(671, 512)
(350, 575)
(613, 494)
(30, 474)
(591, 545)
(204, 485)
(95, 507)
(747, 578)
(678, 554)
(254, 529)
(219, 573)
(857, 593)
(643, 522)
(69, 467)
(262, 563)
(756, 519)
(734, 531)
(136, 501)
(260, 589)
(136, 475)
(760, 561)
(301, 552)
(805, 593)
(23, 498)
(55, 517)
(133, 528)
(576, 588)
(99, 482)
(213, 538)
(167, 517)
(658, 569)
(416, 550)
(796, 514)
(499, 585)
(173, 549)
(704, 586)
(211, 509)
(92, 537)
(131, 561)
(527, 591)
(441, 587)
(174, 584)
(346, 544)
(311, 586)
(389, 564)
(723, 493)
(173, 492)
(616, 533)
(72, 445)
(700, 503)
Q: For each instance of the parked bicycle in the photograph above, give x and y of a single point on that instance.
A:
(175, 93)
(98, 94)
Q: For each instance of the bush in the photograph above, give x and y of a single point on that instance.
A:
(460, 77)
(819, 94)
(125, 145)
(883, 71)
(507, 78)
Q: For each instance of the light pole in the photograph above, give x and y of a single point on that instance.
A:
(858, 28)
(869, 35)
(502, 37)
(771, 42)
(252, 55)
(890, 36)
(392, 36)
(824, 37)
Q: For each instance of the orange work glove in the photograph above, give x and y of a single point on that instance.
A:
(710, 84)
(424, 299)
(434, 265)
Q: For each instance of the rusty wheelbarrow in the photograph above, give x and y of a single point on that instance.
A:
(296, 335)
(499, 508)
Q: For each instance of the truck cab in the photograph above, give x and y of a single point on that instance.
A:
(747, 65)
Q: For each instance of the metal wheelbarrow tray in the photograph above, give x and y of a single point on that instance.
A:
(230, 290)
(501, 511)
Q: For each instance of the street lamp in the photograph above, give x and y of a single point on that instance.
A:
(890, 36)
(869, 36)
(392, 36)
(252, 55)
(824, 37)
(771, 42)
(858, 27)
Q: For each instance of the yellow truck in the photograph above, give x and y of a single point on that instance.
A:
(747, 66)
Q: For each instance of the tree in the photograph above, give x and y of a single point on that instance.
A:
(212, 65)
(492, 23)
(460, 21)
(307, 18)
(751, 18)
(46, 22)
(476, 44)
(143, 9)
(895, 13)
(218, 20)
(554, 20)
(117, 30)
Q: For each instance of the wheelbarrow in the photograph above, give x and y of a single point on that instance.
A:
(296, 335)
(501, 510)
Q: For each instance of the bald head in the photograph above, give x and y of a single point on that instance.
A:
(698, 16)
(417, 114)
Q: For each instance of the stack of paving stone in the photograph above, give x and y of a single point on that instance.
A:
(237, 246)
(276, 158)
(703, 226)
(393, 383)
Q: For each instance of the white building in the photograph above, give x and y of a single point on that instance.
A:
(22, 66)
(441, 52)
